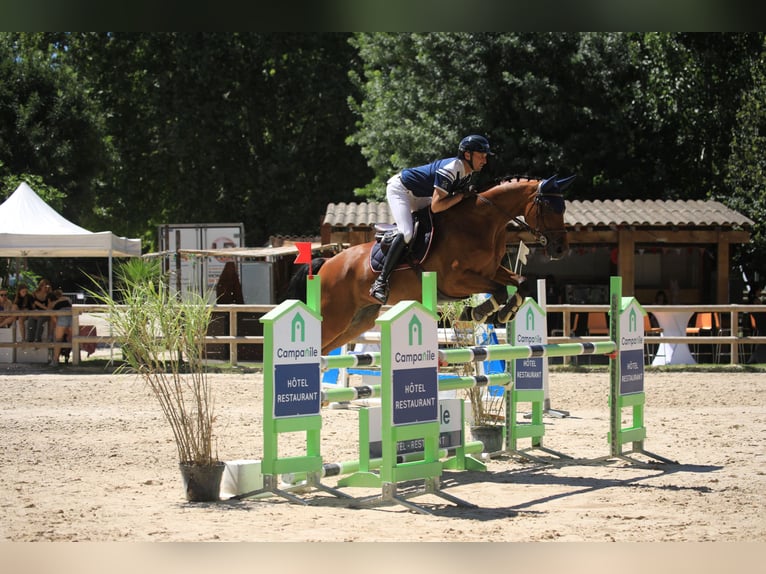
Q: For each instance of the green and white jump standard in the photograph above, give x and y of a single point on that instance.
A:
(529, 328)
(292, 392)
(409, 403)
(626, 371)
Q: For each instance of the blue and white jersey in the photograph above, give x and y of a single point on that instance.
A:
(442, 174)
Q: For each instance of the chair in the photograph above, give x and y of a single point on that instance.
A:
(597, 324)
(650, 325)
(701, 325)
(749, 329)
(722, 352)
(651, 328)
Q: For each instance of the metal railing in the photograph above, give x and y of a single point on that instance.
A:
(731, 337)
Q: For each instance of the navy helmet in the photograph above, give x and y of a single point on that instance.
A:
(474, 143)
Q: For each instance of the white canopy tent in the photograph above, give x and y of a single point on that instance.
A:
(29, 227)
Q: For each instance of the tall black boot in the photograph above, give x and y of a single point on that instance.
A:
(379, 289)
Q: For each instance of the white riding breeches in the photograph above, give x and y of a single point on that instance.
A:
(402, 204)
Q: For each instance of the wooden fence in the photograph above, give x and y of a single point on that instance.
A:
(733, 340)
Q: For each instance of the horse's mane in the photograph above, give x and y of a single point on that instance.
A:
(512, 178)
(296, 287)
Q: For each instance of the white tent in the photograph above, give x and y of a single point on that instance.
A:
(29, 227)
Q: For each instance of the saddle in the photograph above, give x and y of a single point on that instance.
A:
(418, 249)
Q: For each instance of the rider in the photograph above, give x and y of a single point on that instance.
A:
(439, 184)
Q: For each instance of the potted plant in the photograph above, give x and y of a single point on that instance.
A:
(162, 338)
(487, 408)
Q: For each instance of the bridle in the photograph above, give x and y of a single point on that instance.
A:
(542, 203)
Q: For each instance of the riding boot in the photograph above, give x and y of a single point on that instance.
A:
(379, 289)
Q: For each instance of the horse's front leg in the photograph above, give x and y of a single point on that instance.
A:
(510, 307)
(498, 300)
(486, 308)
(505, 276)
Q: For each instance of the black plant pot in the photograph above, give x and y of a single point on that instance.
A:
(490, 435)
(202, 483)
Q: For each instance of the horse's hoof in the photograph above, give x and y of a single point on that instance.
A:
(508, 314)
(477, 316)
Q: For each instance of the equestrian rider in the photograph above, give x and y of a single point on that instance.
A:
(439, 184)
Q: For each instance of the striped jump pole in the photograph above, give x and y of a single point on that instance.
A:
(345, 394)
(351, 466)
(507, 352)
(350, 361)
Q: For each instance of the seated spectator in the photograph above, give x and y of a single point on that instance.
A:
(61, 324)
(6, 305)
(23, 302)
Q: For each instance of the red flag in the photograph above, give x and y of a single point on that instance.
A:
(304, 252)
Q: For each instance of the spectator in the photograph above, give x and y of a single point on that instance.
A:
(660, 298)
(61, 324)
(36, 325)
(6, 305)
(23, 302)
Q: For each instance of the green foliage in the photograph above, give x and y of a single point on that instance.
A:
(419, 94)
(746, 172)
(129, 131)
(156, 331)
(51, 130)
(634, 115)
(220, 127)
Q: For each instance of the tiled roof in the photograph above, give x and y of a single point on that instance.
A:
(598, 213)
(654, 213)
(357, 214)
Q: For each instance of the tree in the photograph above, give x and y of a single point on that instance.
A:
(214, 127)
(745, 179)
(633, 115)
(51, 134)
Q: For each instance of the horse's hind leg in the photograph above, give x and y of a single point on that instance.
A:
(362, 321)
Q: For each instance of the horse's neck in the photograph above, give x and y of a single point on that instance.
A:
(509, 199)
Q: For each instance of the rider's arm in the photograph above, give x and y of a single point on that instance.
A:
(441, 200)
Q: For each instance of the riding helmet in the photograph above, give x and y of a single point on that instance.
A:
(474, 143)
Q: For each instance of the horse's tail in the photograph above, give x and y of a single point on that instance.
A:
(296, 288)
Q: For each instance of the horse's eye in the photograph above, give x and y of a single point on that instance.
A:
(556, 204)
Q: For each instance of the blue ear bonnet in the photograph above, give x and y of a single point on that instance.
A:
(552, 193)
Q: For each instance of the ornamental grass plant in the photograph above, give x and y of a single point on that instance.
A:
(487, 409)
(162, 337)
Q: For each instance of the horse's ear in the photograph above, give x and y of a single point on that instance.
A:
(548, 185)
(562, 184)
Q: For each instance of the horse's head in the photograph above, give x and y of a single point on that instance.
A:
(545, 216)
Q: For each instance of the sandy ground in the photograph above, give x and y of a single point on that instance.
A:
(88, 457)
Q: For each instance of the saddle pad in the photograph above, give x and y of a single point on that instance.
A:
(419, 246)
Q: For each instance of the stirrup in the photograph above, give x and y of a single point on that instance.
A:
(379, 291)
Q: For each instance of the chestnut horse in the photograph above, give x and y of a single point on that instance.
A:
(466, 252)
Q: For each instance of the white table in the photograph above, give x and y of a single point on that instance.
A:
(673, 324)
